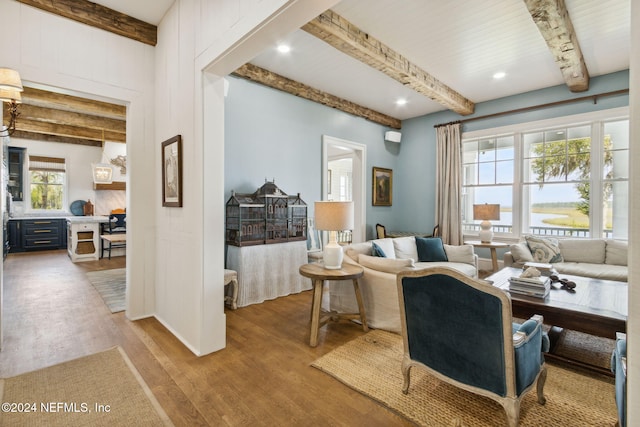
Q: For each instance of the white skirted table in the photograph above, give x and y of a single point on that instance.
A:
(267, 272)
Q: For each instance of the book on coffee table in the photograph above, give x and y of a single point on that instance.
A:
(531, 286)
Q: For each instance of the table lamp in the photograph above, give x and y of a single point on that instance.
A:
(333, 217)
(486, 213)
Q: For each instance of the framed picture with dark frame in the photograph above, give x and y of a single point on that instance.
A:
(172, 172)
(382, 190)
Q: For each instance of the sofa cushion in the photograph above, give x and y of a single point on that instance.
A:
(386, 245)
(616, 252)
(377, 250)
(544, 249)
(430, 249)
(388, 265)
(462, 253)
(356, 249)
(597, 271)
(582, 250)
(405, 247)
(521, 253)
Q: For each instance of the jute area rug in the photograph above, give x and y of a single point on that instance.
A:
(370, 364)
(111, 285)
(103, 389)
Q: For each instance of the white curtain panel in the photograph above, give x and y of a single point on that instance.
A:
(449, 183)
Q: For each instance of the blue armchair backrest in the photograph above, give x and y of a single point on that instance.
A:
(457, 330)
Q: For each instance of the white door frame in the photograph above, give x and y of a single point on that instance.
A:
(359, 181)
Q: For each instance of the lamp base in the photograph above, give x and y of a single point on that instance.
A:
(486, 234)
(332, 255)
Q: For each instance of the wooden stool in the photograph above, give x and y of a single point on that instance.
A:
(231, 279)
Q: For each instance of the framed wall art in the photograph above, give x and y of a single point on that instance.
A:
(172, 172)
(382, 186)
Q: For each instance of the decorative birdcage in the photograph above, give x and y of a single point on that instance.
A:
(267, 216)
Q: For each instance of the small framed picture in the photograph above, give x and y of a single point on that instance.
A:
(382, 190)
(172, 172)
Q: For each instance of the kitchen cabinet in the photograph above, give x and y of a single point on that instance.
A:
(37, 233)
(15, 164)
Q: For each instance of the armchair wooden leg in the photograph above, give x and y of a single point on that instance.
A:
(542, 378)
(512, 408)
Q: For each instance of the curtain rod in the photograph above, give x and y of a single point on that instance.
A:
(540, 106)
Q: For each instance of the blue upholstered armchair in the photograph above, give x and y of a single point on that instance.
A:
(460, 329)
(619, 368)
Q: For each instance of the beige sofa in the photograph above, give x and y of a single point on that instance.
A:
(598, 258)
(378, 284)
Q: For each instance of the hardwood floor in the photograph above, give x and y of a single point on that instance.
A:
(263, 376)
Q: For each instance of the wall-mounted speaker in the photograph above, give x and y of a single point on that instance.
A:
(392, 136)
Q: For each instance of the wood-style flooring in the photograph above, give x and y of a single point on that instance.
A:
(262, 378)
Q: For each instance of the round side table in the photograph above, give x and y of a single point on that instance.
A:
(319, 275)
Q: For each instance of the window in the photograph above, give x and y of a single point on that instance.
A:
(562, 177)
(488, 177)
(47, 178)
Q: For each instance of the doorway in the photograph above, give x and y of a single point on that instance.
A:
(347, 159)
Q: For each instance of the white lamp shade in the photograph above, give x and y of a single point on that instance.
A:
(333, 216)
(10, 79)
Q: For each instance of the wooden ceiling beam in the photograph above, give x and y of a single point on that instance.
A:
(43, 114)
(101, 17)
(44, 98)
(36, 126)
(276, 81)
(349, 39)
(55, 138)
(552, 19)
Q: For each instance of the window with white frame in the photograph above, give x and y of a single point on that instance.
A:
(562, 177)
(47, 177)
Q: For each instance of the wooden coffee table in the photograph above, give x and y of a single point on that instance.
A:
(597, 307)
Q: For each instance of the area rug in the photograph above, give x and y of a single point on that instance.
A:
(102, 389)
(111, 285)
(370, 364)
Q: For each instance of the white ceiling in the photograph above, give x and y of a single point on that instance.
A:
(460, 42)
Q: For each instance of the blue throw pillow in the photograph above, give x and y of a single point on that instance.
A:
(377, 250)
(430, 249)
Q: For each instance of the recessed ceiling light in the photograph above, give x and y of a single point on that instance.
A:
(283, 48)
(401, 101)
(499, 75)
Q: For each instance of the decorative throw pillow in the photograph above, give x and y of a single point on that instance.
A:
(461, 253)
(521, 253)
(430, 249)
(377, 251)
(386, 245)
(544, 249)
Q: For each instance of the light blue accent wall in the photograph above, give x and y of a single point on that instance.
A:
(270, 134)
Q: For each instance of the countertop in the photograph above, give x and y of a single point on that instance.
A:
(70, 218)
